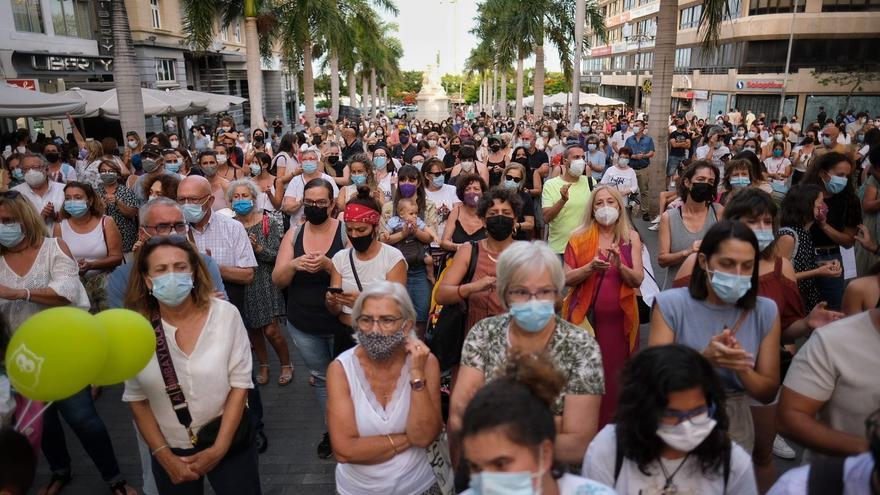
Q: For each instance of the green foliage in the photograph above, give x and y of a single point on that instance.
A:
(409, 81)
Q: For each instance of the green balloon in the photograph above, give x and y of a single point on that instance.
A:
(56, 353)
(131, 342)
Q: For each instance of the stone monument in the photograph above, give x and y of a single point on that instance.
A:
(432, 101)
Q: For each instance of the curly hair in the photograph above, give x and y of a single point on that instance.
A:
(647, 380)
(501, 194)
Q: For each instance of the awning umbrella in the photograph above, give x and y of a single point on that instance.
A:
(19, 102)
(213, 103)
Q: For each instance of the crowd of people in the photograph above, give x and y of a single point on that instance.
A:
(467, 298)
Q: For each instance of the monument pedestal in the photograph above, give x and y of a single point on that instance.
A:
(432, 101)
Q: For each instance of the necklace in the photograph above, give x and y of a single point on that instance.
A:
(669, 487)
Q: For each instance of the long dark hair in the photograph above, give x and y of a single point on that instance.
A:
(797, 206)
(411, 172)
(691, 172)
(720, 232)
(647, 380)
(753, 202)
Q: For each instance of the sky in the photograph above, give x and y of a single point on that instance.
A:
(429, 26)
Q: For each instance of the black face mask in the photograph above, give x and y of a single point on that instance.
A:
(52, 157)
(702, 192)
(499, 227)
(371, 147)
(315, 215)
(259, 138)
(455, 148)
(362, 243)
(316, 139)
(332, 159)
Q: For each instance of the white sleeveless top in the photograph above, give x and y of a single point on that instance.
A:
(90, 246)
(404, 474)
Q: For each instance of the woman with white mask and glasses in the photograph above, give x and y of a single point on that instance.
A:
(721, 315)
(670, 434)
(603, 266)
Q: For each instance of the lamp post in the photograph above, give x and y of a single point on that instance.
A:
(630, 35)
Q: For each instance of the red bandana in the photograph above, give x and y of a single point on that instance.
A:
(360, 213)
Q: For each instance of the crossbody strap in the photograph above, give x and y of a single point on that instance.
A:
(739, 322)
(169, 376)
(354, 271)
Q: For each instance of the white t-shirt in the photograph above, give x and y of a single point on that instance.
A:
(369, 271)
(856, 478)
(570, 484)
(295, 190)
(445, 196)
(624, 179)
(599, 466)
(713, 155)
(620, 138)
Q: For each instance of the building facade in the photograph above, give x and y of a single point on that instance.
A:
(747, 70)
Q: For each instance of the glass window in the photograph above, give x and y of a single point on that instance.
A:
(690, 17)
(165, 69)
(71, 18)
(27, 15)
(236, 30)
(761, 7)
(850, 5)
(154, 12)
(224, 35)
(682, 58)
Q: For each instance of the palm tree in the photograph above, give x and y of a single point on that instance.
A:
(125, 74)
(199, 25)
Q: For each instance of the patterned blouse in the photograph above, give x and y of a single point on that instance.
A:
(574, 352)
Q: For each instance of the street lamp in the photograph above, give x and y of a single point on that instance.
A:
(630, 35)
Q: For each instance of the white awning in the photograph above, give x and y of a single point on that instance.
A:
(19, 102)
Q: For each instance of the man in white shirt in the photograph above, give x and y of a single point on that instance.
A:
(618, 139)
(47, 196)
(293, 195)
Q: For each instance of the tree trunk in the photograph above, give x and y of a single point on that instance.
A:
(538, 82)
(574, 111)
(308, 82)
(365, 93)
(125, 74)
(661, 98)
(482, 87)
(296, 116)
(494, 89)
(518, 110)
(385, 92)
(374, 93)
(352, 89)
(254, 72)
(334, 86)
(503, 100)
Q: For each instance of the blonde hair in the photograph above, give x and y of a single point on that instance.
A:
(32, 225)
(622, 228)
(96, 150)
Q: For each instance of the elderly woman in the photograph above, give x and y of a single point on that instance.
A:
(383, 404)
(530, 281)
(120, 202)
(171, 286)
(264, 306)
(93, 238)
(36, 273)
(603, 266)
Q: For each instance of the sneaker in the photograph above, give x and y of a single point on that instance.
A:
(782, 449)
(325, 450)
(656, 220)
(654, 227)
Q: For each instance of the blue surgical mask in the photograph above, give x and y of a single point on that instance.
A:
(591, 147)
(358, 179)
(439, 180)
(10, 234)
(500, 483)
(836, 184)
(193, 213)
(172, 288)
(76, 208)
(729, 287)
(242, 206)
(532, 316)
(172, 167)
(17, 174)
(512, 185)
(826, 141)
(255, 169)
(740, 181)
(379, 161)
(310, 166)
(765, 238)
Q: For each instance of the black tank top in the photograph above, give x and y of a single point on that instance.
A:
(305, 296)
(495, 177)
(460, 236)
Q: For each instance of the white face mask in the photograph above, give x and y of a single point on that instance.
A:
(175, 143)
(467, 166)
(607, 215)
(221, 159)
(686, 436)
(576, 168)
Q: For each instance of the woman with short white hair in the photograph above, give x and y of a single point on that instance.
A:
(383, 403)
(530, 281)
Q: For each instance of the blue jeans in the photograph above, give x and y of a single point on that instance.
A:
(419, 292)
(672, 164)
(80, 414)
(317, 352)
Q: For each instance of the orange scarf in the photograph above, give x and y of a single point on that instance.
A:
(581, 249)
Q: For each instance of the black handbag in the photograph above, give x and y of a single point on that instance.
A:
(445, 335)
(207, 435)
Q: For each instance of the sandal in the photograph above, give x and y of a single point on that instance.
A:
(58, 482)
(285, 378)
(263, 375)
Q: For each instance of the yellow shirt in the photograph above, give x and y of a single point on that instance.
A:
(571, 216)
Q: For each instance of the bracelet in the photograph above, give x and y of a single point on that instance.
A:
(27, 296)
(394, 447)
(158, 449)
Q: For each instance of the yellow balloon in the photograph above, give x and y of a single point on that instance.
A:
(56, 353)
(131, 342)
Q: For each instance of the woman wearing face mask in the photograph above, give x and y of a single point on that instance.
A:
(14, 171)
(93, 238)
(451, 158)
(120, 202)
(594, 157)
(778, 170)
(511, 418)
(467, 164)
(383, 400)
(737, 177)
(303, 267)
(271, 191)
(442, 195)
(671, 431)
(152, 166)
(171, 286)
(801, 156)
(496, 160)
(833, 173)
(132, 155)
(334, 166)
(721, 315)
(385, 173)
(779, 136)
(463, 224)
(366, 262)
(361, 174)
(682, 228)
(530, 281)
(603, 266)
(514, 179)
(258, 144)
(224, 169)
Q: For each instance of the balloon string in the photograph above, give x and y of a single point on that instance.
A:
(36, 416)
(23, 414)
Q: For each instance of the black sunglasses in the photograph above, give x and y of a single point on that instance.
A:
(514, 179)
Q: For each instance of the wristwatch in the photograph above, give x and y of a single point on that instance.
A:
(417, 384)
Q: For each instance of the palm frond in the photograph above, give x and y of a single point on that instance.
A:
(198, 22)
(714, 14)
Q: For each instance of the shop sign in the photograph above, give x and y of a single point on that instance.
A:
(103, 11)
(685, 95)
(759, 84)
(30, 84)
(633, 14)
(701, 94)
(42, 63)
(600, 51)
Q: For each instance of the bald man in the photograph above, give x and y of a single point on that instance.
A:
(353, 145)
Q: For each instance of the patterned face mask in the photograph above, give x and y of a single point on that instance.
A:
(379, 346)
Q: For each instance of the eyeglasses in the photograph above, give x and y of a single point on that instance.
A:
(523, 295)
(166, 228)
(174, 240)
(697, 417)
(385, 322)
(320, 204)
(192, 201)
(514, 179)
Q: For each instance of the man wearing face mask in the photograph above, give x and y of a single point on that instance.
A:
(46, 195)
(353, 145)
(293, 195)
(565, 198)
(642, 147)
(406, 149)
(153, 165)
(540, 161)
